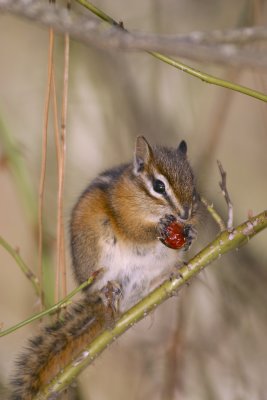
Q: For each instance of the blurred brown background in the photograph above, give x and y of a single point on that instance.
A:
(210, 341)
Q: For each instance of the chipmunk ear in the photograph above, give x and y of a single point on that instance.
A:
(142, 154)
(182, 148)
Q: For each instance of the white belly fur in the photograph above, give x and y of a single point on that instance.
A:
(138, 269)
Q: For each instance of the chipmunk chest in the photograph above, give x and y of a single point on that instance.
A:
(136, 268)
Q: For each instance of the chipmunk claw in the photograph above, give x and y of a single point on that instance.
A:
(164, 222)
(190, 234)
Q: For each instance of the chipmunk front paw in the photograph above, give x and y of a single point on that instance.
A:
(111, 295)
(163, 225)
(190, 234)
(171, 232)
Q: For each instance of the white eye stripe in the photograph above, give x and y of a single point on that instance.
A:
(170, 198)
(149, 183)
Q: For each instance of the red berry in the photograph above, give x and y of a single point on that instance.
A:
(176, 238)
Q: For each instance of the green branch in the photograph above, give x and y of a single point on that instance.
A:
(225, 242)
(215, 215)
(177, 64)
(23, 266)
(62, 303)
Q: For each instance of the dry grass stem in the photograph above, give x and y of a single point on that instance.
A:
(44, 156)
(58, 155)
(61, 254)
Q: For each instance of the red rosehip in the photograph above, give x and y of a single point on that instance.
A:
(176, 238)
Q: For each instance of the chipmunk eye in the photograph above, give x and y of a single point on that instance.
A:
(159, 186)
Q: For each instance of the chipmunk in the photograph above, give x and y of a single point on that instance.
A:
(119, 218)
(119, 224)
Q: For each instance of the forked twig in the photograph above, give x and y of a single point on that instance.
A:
(223, 186)
(215, 215)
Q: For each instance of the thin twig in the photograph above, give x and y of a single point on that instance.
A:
(176, 64)
(23, 266)
(44, 156)
(223, 186)
(62, 262)
(225, 242)
(215, 215)
(61, 304)
(55, 110)
(58, 156)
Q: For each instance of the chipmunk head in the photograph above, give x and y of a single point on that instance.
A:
(167, 179)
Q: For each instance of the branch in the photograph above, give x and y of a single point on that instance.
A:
(240, 35)
(23, 266)
(215, 215)
(56, 307)
(225, 242)
(177, 64)
(223, 186)
(90, 32)
(213, 47)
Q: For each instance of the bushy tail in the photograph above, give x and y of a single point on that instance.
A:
(56, 345)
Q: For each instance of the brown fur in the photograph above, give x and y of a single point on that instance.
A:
(57, 345)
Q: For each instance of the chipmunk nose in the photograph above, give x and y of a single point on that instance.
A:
(184, 215)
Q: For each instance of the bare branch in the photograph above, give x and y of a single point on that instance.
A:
(215, 215)
(61, 304)
(230, 36)
(230, 222)
(215, 47)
